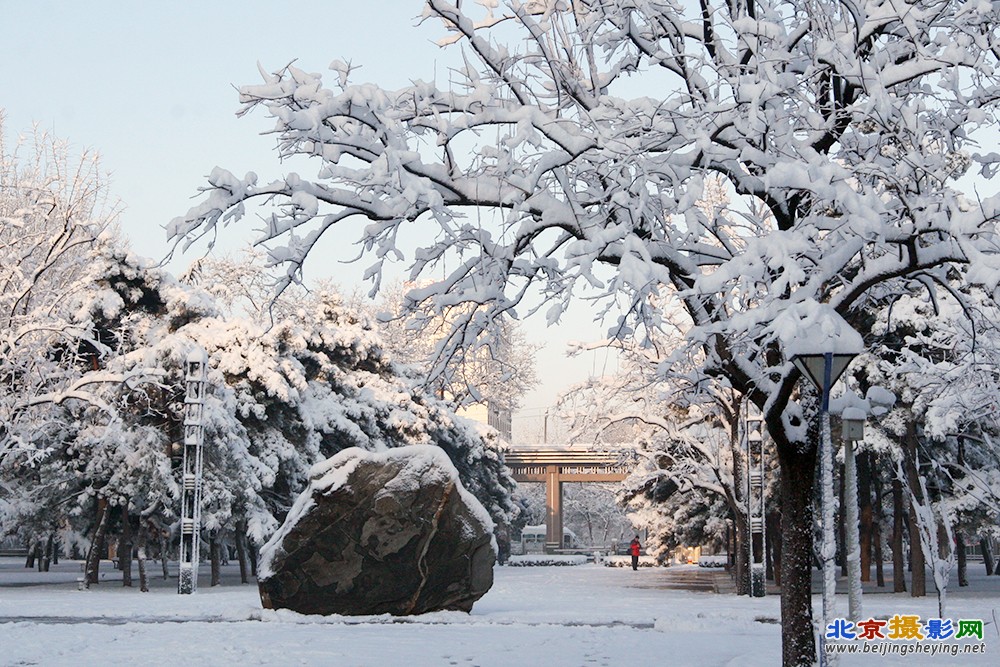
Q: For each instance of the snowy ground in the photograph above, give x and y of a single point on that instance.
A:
(552, 616)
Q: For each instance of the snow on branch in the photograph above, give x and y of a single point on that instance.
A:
(577, 157)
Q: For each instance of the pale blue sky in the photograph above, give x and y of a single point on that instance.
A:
(151, 86)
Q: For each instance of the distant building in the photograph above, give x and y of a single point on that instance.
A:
(489, 413)
(533, 539)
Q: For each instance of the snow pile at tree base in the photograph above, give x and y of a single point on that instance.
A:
(386, 533)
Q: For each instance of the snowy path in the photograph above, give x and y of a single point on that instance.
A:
(564, 616)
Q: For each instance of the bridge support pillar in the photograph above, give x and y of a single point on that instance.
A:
(553, 509)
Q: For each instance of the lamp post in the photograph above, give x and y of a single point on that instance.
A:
(853, 420)
(821, 344)
(823, 370)
(754, 490)
(853, 411)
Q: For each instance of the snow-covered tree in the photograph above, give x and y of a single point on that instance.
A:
(939, 356)
(841, 127)
(53, 212)
(313, 375)
(56, 226)
(497, 375)
(690, 435)
(285, 392)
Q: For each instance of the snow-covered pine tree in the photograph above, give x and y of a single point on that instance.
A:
(313, 376)
(283, 396)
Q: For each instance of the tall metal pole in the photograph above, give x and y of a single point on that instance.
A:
(194, 402)
(853, 546)
(829, 547)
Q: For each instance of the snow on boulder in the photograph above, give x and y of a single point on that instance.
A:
(380, 533)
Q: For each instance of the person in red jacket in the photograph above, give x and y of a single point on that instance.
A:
(633, 548)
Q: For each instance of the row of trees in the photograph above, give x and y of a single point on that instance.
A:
(94, 342)
(842, 127)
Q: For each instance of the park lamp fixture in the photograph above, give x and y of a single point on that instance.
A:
(819, 342)
(823, 369)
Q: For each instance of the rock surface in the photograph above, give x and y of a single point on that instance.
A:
(387, 533)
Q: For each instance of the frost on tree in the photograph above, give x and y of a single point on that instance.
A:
(496, 376)
(841, 128)
(53, 213)
(939, 357)
(283, 394)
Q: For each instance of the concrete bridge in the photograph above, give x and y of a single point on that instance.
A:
(553, 465)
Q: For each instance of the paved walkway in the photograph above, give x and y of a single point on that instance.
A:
(718, 580)
(68, 573)
(686, 578)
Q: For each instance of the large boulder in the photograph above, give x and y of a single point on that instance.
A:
(380, 533)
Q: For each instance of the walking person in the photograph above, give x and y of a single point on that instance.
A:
(634, 548)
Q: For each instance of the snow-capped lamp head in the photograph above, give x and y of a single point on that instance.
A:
(819, 342)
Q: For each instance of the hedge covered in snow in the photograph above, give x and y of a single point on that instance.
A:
(533, 560)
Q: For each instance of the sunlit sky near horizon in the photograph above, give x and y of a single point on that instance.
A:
(152, 87)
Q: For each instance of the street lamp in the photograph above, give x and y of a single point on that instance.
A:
(824, 369)
(853, 421)
(821, 344)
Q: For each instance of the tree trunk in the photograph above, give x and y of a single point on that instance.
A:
(866, 515)
(742, 555)
(253, 560)
(164, 551)
(918, 564)
(29, 562)
(125, 548)
(898, 566)
(878, 519)
(214, 548)
(742, 529)
(798, 470)
(55, 552)
(879, 556)
(93, 564)
(141, 558)
(47, 553)
(986, 548)
(241, 549)
(918, 580)
(773, 522)
(963, 564)
(39, 557)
